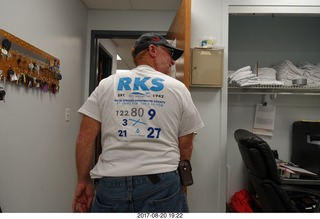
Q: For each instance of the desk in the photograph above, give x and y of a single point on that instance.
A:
(313, 182)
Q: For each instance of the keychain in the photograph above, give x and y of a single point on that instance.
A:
(6, 45)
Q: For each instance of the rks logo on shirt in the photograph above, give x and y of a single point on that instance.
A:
(140, 83)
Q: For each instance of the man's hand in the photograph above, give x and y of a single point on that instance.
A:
(83, 198)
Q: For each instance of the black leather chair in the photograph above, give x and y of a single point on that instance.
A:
(274, 194)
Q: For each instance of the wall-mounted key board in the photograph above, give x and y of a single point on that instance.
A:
(25, 65)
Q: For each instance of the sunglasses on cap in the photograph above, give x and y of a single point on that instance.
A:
(170, 51)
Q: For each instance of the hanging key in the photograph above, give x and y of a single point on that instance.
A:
(6, 45)
(2, 91)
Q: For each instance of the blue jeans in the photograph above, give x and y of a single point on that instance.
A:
(139, 194)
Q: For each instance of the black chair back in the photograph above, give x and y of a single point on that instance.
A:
(257, 155)
(263, 173)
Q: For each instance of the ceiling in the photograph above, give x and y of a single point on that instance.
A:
(157, 5)
(124, 45)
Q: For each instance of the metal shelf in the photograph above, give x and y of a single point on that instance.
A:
(276, 89)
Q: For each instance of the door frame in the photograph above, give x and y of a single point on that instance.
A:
(94, 48)
(105, 58)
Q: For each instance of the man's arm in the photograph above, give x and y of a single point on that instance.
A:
(89, 129)
(186, 146)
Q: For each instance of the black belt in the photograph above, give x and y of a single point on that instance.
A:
(154, 178)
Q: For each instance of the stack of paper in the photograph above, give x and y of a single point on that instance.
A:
(264, 120)
(290, 171)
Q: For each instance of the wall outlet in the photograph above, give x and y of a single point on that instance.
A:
(67, 115)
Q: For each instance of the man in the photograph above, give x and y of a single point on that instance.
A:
(147, 120)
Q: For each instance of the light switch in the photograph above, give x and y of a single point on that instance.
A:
(67, 115)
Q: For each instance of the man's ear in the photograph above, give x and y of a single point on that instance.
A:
(153, 51)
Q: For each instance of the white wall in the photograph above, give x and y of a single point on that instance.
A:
(270, 44)
(37, 162)
(269, 39)
(209, 157)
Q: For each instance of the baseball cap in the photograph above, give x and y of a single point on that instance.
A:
(145, 40)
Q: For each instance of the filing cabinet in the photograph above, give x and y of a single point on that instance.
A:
(207, 67)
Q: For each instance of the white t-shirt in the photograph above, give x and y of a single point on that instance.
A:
(142, 113)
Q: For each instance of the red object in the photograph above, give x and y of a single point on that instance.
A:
(240, 201)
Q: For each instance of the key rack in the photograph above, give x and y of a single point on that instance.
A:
(25, 65)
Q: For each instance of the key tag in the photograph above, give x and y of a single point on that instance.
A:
(6, 45)
(2, 94)
(8, 55)
(22, 79)
(37, 68)
(31, 66)
(45, 87)
(4, 52)
(37, 83)
(2, 89)
(54, 89)
(14, 78)
(12, 75)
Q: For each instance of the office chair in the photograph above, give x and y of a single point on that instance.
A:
(274, 194)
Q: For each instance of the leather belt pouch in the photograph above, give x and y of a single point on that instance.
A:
(185, 173)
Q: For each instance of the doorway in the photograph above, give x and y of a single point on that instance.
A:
(104, 63)
(97, 35)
